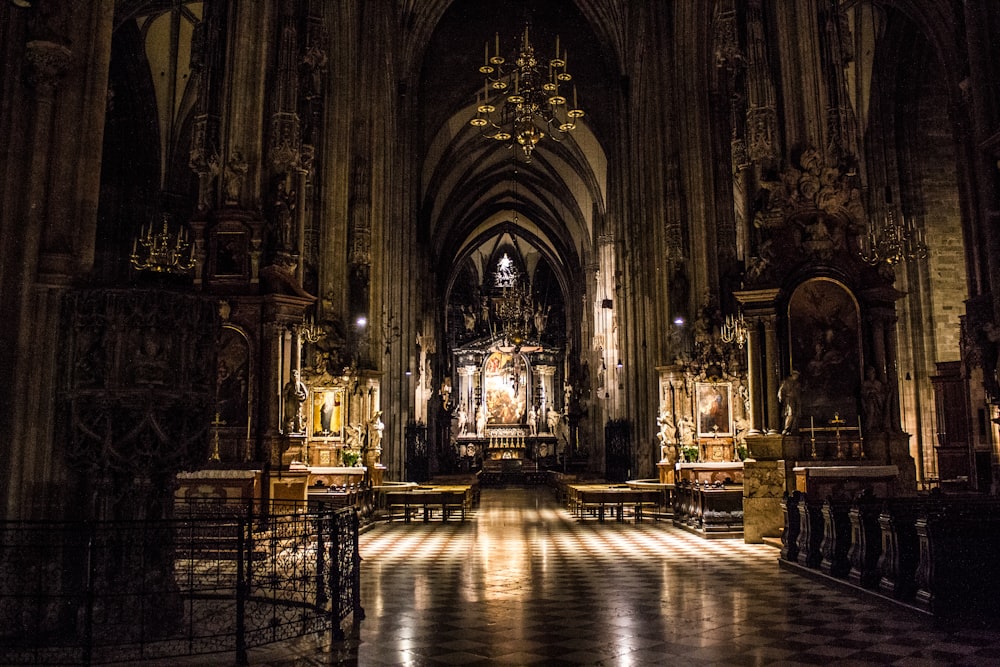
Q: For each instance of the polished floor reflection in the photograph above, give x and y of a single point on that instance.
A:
(524, 582)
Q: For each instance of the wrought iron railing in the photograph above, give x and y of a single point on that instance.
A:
(206, 582)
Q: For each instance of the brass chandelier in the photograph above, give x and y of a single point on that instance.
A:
(163, 250)
(888, 240)
(521, 101)
(515, 308)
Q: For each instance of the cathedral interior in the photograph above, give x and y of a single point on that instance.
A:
(388, 241)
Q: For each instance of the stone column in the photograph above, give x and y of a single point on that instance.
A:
(754, 383)
(763, 378)
(771, 374)
(466, 375)
(546, 374)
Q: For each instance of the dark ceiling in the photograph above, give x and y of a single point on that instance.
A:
(450, 78)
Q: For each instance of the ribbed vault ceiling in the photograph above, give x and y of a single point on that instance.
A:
(473, 190)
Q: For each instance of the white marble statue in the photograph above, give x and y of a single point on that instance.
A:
(666, 435)
(481, 422)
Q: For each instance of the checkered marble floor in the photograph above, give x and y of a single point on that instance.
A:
(526, 583)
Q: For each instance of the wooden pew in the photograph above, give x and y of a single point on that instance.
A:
(792, 524)
(601, 498)
(959, 548)
(836, 540)
(866, 541)
(448, 498)
(810, 532)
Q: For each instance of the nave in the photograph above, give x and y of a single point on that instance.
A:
(524, 582)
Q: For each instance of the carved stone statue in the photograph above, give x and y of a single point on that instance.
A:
(873, 403)
(445, 393)
(533, 421)
(284, 217)
(685, 431)
(235, 171)
(463, 420)
(666, 436)
(295, 394)
(789, 395)
(481, 422)
(375, 429)
(541, 318)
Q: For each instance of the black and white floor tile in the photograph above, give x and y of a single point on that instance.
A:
(524, 582)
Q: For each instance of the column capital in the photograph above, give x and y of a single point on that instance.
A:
(47, 62)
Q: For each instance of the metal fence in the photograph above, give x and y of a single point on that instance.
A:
(208, 582)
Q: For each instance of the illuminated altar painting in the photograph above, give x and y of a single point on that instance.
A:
(504, 388)
(713, 400)
(328, 413)
(824, 333)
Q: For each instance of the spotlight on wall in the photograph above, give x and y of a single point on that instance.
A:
(619, 364)
(679, 321)
(408, 372)
(362, 321)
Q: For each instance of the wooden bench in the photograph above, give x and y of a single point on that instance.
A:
(447, 499)
(601, 498)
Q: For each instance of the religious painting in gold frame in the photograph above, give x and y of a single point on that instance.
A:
(328, 408)
(713, 408)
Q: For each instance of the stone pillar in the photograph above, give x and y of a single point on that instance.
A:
(771, 374)
(466, 381)
(763, 377)
(546, 374)
(764, 484)
(754, 384)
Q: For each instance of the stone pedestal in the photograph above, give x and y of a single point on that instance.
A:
(289, 492)
(232, 487)
(765, 482)
(763, 487)
(666, 470)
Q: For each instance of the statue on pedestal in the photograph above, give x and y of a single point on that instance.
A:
(666, 436)
(789, 395)
(463, 420)
(533, 421)
(375, 429)
(295, 394)
(481, 422)
(685, 431)
(873, 397)
(445, 393)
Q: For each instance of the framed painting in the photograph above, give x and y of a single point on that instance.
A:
(328, 413)
(824, 336)
(231, 254)
(714, 408)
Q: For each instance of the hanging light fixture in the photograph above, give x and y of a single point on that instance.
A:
(515, 307)
(521, 101)
(734, 330)
(889, 238)
(162, 250)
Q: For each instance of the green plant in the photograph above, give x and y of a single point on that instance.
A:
(350, 458)
(690, 453)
